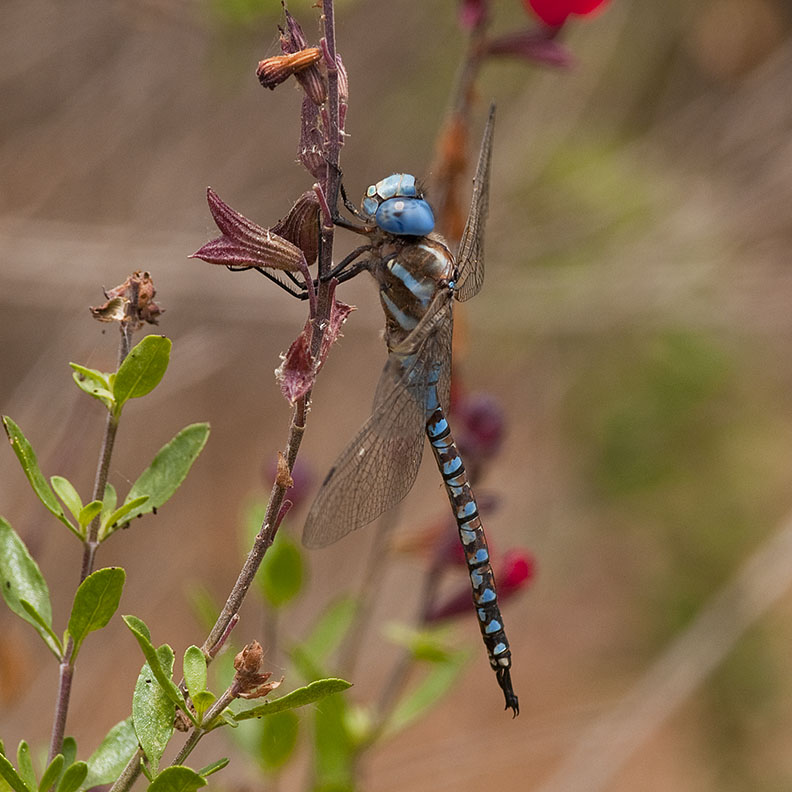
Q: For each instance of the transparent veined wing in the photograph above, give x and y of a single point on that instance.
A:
(378, 468)
(470, 256)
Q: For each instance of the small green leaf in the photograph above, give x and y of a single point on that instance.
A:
(64, 489)
(432, 688)
(212, 768)
(429, 645)
(43, 628)
(112, 521)
(281, 572)
(109, 502)
(309, 694)
(108, 761)
(278, 739)
(168, 469)
(143, 637)
(94, 383)
(142, 370)
(202, 701)
(21, 579)
(69, 750)
(25, 765)
(51, 774)
(88, 512)
(73, 777)
(194, 667)
(95, 603)
(333, 750)
(27, 458)
(177, 779)
(330, 630)
(9, 774)
(152, 710)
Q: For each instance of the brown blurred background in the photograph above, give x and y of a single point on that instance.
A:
(635, 325)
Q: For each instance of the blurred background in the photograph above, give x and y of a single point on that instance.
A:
(635, 328)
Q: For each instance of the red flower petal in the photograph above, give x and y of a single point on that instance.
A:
(555, 12)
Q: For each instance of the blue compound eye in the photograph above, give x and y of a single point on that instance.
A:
(405, 217)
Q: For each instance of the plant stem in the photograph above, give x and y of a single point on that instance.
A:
(130, 774)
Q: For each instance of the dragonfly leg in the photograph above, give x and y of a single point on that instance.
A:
(343, 272)
(296, 289)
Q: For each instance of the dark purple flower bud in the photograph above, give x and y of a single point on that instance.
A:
(244, 244)
(292, 38)
(473, 13)
(311, 151)
(536, 46)
(292, 41)
(482, 419)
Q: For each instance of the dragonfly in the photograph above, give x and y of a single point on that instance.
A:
(418, 279)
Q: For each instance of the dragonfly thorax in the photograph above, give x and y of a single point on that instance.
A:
(397, 205)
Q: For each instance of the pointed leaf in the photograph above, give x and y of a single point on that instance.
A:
(281, 572)
(9, 774)
(95, 603)
(214, 767)
(177, 779)
(54, 643)
(110, 501)
(330, 630)
(168, 469)
(21, 579)
(51, 774)
(69, 751)
(194, 667)
(64, 489)
(142, 370)
(73, 777)
(111, 522)
(25, 765)
(431, 689)
(152, 710)
(143, 637)
(27, 458)
(108, 761)
(309, 694)
(88, 512)
(94, 383)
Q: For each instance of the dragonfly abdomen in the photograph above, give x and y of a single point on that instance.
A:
(474, 542)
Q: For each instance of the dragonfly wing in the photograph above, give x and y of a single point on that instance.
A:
(378, 468)
(470, 256)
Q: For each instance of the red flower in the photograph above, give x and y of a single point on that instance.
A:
(555, 12)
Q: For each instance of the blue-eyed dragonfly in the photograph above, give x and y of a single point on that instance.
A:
(418, 280)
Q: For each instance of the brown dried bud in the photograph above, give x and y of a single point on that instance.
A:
(273, 71)
(292, 38)
(249, 683)
(301, 225)
(311, 151)
(131, 301)
(283, 478)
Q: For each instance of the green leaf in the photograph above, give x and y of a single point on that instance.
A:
(51, 774)
(25, 765)
(21, 579)
(109, 502)
(69, 750)
(64, 489)
(168, 469)
(281, 572)
(111, 522)
(278, 739)
(9, 774)
(431, 689)
(152, 710)
(142, 370)
(202, 701)
(88, 512)
(194, 667)
(43, 628)
(309, 694)
(334, 749)
(73, 777)
(214, 767)
(95, 603)
(429, 645)
(27, 458)
(177, 779)
(330, 630)
(108, 761)
(94, 383)
(143, 637)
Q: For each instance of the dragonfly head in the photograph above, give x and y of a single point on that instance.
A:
(397, 206)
